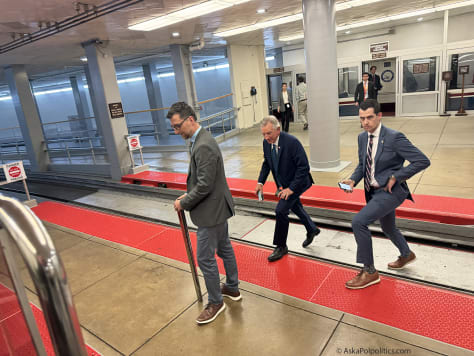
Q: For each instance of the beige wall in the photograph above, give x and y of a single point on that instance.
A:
(247, 69)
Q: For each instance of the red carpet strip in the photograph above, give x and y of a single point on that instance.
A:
(15, 338)
(446, 210)
(435, 313)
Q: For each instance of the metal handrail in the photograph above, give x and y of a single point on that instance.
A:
(48, 274)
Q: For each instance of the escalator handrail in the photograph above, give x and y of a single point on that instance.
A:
(48, 275)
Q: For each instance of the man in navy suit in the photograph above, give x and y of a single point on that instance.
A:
(285, 157)
(382, 153)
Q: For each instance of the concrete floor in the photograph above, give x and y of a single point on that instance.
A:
(134, 303)
(448, 142)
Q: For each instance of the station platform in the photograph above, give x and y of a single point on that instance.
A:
(134, 295)
(446, 210)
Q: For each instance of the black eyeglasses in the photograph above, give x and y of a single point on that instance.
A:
(178, 126)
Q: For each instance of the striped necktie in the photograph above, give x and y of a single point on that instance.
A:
(368, 164)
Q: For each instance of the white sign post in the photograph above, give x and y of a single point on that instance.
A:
(15, 172)
(133, 145)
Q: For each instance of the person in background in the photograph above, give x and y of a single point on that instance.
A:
(302, 101)
(364, 90)
(285, 107)
(375, 79)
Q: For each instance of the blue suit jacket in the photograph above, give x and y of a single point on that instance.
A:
(293, 165)
(392, 151)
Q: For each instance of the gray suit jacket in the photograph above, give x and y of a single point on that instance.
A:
(208, 199)
(392, 151)
(290, 100)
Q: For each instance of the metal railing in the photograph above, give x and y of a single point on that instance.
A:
(78, 140)
(49, 277)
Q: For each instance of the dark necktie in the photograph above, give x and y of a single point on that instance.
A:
(368, 164)
(275, 162)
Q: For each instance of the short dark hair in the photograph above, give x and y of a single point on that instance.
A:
(364, 73)
(373, 67)
(300, 80)
(284, 84)
(181, 108)
(370, 103)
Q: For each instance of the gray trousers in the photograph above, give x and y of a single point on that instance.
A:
(381, 206)
(302, 109)
(209, 240)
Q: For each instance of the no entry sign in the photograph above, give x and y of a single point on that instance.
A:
(133, 142)
(14, 171)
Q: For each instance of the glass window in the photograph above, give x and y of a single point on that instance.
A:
(420, 75)
(348, 79)
(462, 60)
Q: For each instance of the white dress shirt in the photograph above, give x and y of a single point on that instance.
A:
(366, 89)
(285, 97)
(276, 148)
(375, 144)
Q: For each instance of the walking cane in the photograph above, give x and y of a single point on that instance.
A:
(189, 251)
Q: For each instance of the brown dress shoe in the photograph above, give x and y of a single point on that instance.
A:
(402, 261)
(210, 313)
(363, 280)
(228, 293)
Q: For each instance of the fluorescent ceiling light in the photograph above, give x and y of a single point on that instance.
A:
(288, 19)
(5, 98)
(84, 58)
(261, 11)
(187, 13)
(260, 25)
(270, 58)
(339, 7)
(348, 32)
(419, 19)
(175, 34)
(291, 38)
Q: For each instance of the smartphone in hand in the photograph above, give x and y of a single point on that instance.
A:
(346, 187)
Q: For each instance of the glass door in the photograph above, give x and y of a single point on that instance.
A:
(349, 75)
(419, 85)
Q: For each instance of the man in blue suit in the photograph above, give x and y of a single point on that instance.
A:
(382, 152)
(285, 157)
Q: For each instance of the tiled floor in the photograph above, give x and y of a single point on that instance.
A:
(448, 142)
(142, 304)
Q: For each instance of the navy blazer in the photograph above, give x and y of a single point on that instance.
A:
(293, 165)
(359, 92)
(392, 151)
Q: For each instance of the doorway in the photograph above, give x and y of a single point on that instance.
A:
(387, 70)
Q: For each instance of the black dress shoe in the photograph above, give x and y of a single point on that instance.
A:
(278, 253)
(310, 237)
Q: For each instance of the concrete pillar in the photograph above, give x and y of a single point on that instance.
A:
(184, 76)
(155, 100)
(82, 108)
(321, 79)
(28, 117)
(247, 69)
(104, 89)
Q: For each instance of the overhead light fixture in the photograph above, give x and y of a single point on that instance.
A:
(348, 32)
(84, 58)
(260, 25)
(175, 34)
(339, 7)
(261, 11)
(270, 58)
(419, 19)
(187, 13)
(291, 38)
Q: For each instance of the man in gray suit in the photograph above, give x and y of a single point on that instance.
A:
(210, 204)
(285, 107)
(382, 152)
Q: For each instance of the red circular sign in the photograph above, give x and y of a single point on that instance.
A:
(134, 142)
(14, 171)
